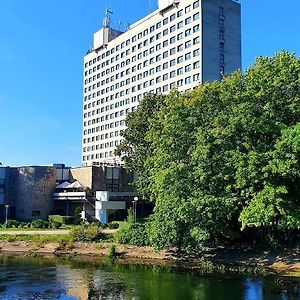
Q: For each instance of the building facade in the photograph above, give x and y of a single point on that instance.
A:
(35, 192)
(181, 45)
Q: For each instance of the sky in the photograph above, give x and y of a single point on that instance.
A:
(42, 45)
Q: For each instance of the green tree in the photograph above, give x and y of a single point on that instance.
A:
(221, 157)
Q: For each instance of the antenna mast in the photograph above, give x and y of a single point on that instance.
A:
(106, 21)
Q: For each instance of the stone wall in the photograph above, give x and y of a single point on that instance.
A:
(35, 187)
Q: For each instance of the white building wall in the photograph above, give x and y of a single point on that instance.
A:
(174, 48)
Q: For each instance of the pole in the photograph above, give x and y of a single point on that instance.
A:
(6, 214)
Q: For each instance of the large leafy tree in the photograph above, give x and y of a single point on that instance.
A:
(221, 157)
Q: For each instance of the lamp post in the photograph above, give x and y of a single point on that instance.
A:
(134, 202)
(6, 214)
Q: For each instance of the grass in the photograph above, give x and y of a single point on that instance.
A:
(35, 238)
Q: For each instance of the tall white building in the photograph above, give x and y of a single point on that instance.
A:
(180, 45)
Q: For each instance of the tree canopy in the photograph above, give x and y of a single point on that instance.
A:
(222, 157)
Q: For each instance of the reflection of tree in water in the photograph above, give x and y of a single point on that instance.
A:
(107, 286)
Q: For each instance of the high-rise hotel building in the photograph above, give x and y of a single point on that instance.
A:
(182, 44)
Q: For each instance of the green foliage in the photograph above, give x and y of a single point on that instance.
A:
(133, 233)
(112, 253)
(86, 233)
(66, 220)
(222, 157)
(39, 224)
(11, 224)
(77, 215)
(113, 225)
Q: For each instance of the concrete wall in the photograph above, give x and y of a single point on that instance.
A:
(35, 186)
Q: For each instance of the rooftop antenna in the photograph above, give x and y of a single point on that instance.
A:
(119, 25)
(106, 21)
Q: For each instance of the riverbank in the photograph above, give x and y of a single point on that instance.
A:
(285, 262)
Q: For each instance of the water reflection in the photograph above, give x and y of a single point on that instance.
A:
(50, 279)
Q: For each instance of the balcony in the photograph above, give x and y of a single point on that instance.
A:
(70, 196)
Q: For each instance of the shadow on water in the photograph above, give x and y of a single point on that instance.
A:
(41, 278)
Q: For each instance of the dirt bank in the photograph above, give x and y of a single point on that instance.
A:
(284, 262)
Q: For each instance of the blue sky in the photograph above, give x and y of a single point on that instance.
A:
(42, 44)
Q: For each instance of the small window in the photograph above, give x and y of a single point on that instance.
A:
(36, 213)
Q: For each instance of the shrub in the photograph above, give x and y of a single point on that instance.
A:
(113, 225)
(55, 224)
(133, 233)
(11, 224)
(67, 220)
(39, 224)
(112, 253)
(87, 233)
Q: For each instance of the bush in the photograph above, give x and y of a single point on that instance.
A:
(113, 225)
(133, 233)
(55, 224)
(11, 224)
(67, 220)
(87, 233)
(39, 224)
(112, 253)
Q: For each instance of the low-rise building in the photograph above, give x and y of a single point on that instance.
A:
(35, 192)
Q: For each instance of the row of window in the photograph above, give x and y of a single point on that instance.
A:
(143, 54)
(99, 155)
(163, 89)
(146, 84)
(180, 59)
(145, 32)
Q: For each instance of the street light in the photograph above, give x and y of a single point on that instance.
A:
(6, 214)
(134, 202)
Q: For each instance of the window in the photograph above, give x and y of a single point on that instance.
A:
(196, 52)
(165, 21)
(165, 32)
(172, 62)
(188, 32)
(188, 20)
(196, 40)
(180, 48)
(188, 68)
(221, 46)
(196, 4)
(180, 71)
(196, 65)
(158, 25)
(179, 59)
(188, 56)
(173, 51)
(221, 11)
(180, 25)
(165, 66)
(152, 28)
(165, 88)
(222, 34)
(172, 17)
(196, 28)
(188, 44)
(36, 213)
(196, 16)
(180, 13)
(172, 40)
(188, 9)
(172, 28)
(179, 36)
(188, 80)
(222, 59)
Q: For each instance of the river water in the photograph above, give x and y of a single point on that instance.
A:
(36, 278)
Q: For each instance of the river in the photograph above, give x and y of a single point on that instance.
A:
(42, 278)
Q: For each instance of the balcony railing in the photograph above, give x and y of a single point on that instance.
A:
(70, 196)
